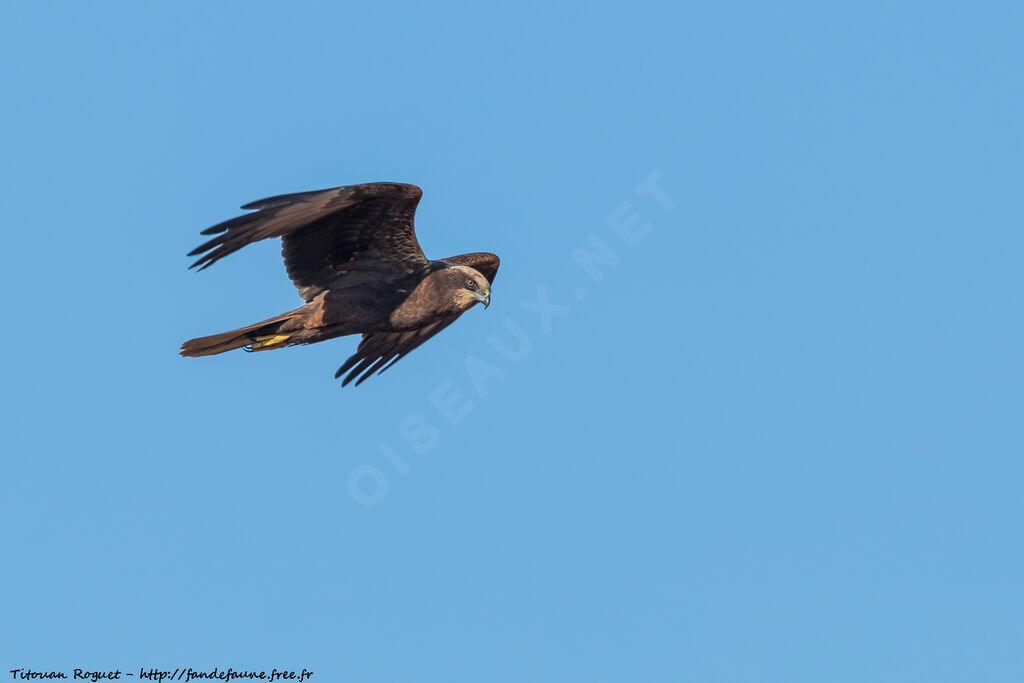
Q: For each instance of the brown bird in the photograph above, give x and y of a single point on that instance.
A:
(352, 253)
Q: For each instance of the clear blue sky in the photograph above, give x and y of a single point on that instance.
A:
(779, 440)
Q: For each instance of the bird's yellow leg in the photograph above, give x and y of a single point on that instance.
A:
(273, 341)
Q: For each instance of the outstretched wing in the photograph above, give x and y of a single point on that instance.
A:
(378, 351)
(484, 263)
(326, 234)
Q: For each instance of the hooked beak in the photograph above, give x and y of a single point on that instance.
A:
(483, 297)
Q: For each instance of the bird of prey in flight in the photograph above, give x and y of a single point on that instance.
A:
(352, 253)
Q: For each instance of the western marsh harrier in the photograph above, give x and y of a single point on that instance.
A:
(352, 253)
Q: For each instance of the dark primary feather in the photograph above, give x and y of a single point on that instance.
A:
(328, 233)
(378, 351)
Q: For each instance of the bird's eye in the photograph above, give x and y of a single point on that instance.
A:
(470, 284)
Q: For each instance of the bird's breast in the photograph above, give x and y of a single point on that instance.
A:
(424, 304)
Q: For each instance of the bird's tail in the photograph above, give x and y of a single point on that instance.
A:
(257, 337)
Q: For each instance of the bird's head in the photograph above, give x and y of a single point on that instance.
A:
(468, 287)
